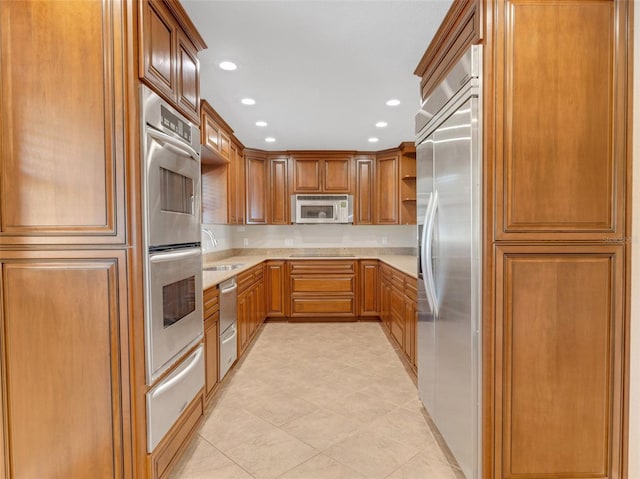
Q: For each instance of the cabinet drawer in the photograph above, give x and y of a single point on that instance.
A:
(211, 301)
(322, 307)
(322, 267)
(397, 303)
(312, 284)
(397, 328)
(411, 288)
(210, 320)
(244, 280)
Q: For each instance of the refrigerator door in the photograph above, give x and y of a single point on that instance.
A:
(449, 297)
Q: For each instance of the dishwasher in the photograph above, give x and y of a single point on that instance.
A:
(228, 326)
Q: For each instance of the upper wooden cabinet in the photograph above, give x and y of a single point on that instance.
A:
(387, 204)
(215, 136)
(63, 126)
(562, 121)
(257, 170)
(236, 185)
(169, 45)
(407, 184)
(330, 173)
(364, 197)
(278, 195)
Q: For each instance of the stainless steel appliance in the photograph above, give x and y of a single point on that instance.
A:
(448, 129)
(173, 262)
(228, 346)
(322, 209)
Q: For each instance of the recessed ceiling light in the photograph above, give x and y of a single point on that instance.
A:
(248, 101)
(393, 102)
(381, 124)
(229, 66)
(261, 123)
(269, 139)
(373, 140)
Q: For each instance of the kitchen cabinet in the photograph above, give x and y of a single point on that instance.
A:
(257, 180)
(214, 136)
(555, 173)
(72, 362)
(276, 283)
(211, 339)
(368, 279)
(387, 204)
(279, 205)
(236, 185)
(169, 46)
(329, 173)
(364, 197)
(407, 184)
(411, 321)
(251, 305)
(323, 289)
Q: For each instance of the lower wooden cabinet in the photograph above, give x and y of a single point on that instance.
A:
(275, 281)
(211, 339)
(368, 279)
(65, 364)
(558, 393)
(251, 305)
(323, 289)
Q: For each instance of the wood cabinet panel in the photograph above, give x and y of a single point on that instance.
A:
(65, 364)
(559, 396)
(337, 175)
(387, 210)
(240, 186)
(369, 286)
(364, 197)
(322, 307)
(306, 175)
(211, 337)
(188, 85)
(280, 200)
(62, 123)
(561, 171)
(301, 284)
(158, 34)
(276, 288)
(322, 267)
(256, 187)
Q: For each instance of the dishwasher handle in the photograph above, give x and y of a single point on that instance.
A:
(228, 286)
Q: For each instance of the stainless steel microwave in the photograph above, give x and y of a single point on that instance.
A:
(321, 209)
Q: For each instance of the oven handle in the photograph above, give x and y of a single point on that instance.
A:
(170, 141)
(178, 377)
(162, 257)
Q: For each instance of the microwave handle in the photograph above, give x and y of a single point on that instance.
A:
(177, 146)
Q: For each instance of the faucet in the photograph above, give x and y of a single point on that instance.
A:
(214, 241)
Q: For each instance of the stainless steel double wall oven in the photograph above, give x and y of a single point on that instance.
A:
(173, 269)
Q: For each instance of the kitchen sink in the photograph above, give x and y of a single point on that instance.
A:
(224, 267)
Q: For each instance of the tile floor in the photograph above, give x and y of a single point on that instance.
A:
(316, 401)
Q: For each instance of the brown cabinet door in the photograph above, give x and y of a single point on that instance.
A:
(232, 185)
(560, 331)
(280, 200)
(65, 363)
(364, 197)
(306, 175)
(63, 127)
(158, 42)
(275, 288)
(240, 186)
(242, 320)
(188, 71)
(211, 338)
(561, 159)
(410, 325)
(257, 202)
(369, 288)
(336, 175)
(387, 193)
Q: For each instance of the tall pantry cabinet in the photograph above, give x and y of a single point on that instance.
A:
(556, 161)
(71, 351)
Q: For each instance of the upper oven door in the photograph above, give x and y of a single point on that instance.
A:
(174, 307)
(171, 152)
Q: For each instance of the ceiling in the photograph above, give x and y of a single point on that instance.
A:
(319, 71)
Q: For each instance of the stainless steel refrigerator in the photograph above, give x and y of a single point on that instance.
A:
(449, 171)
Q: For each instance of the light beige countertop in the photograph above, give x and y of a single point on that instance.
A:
(408, 264)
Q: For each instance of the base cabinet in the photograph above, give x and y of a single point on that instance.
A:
(211, 339)
(251, 308)
(64, 405)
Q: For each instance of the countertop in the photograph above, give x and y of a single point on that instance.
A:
(405, 263)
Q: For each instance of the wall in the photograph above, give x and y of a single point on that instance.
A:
(634, 399)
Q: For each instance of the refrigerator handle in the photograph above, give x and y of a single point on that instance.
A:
(427, 264)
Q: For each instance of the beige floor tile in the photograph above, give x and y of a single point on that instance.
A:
(374, 456)
(322, 467)
(279, 409)
(270, 455)
(203, 461)
(361, 407)
(395, 391)
(423, 466)
(405, 426)
(322, 428)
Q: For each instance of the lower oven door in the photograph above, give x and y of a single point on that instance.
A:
(170, 397)
(174, 307)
